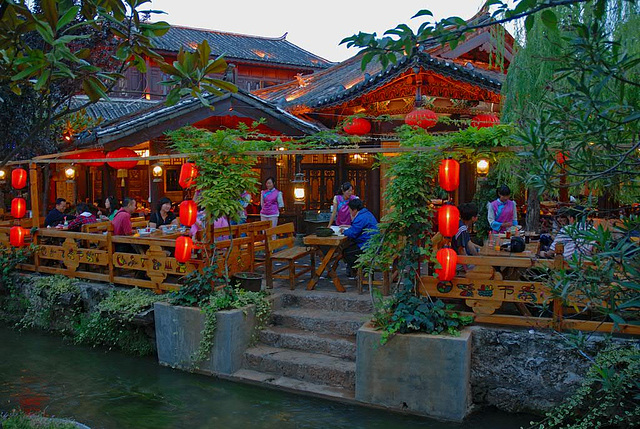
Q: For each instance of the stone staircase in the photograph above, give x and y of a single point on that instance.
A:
(311, 346)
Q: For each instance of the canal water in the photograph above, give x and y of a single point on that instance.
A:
(109, 390)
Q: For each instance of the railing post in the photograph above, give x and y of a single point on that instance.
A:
(558, 264)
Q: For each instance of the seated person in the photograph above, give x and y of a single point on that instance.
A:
(57, 215)
(502, 213)
(164, 215)
(110, 209)
(363, 226)
(461, 242)
(122, 220)
(84, 217)
(569, 235)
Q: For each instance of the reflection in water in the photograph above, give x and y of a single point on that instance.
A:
(110, 390)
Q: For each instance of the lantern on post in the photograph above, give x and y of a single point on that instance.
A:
(299, 191)
(449, 175)
(423, 118)
(19, 178)
(17, 235)
(484, 121)
(18, 208)
(184, 247)
(448, 220)
(482, 167)
(156, 172)
(188, 212)
(448, 259)
(357, 127)
(188, 175)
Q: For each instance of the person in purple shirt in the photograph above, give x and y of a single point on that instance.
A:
(502, 213)
(363, 226)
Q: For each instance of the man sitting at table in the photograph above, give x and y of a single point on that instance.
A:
(363, 226)
(122, 220)
(57, 215)
(462, 243)
(570, 235)
(84, 217)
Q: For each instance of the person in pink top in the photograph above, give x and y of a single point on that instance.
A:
(122, 220)
(271, 202)
(340, 211)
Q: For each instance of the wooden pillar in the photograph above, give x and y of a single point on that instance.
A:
(342, 174)
(35, 194)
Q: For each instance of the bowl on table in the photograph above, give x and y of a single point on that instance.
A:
(168, 229)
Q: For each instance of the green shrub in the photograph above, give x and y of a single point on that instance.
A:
(53, 304)
(21, 420)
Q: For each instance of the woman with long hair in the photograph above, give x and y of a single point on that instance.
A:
(163, 215)
(340, 210)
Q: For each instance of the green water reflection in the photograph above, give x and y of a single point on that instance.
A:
(109, 390)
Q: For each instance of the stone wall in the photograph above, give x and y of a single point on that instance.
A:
(519, 370)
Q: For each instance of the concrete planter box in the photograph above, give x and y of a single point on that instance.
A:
(179, 331)
(417, 373)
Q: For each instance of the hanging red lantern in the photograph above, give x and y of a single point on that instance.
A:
(484, 121)
(357, 127)
(184, 247)
(188, 175)
(561, 157)
(18, 208)
(449, 175)
(448, 220)
(17, 235)
(188, 212)
(123, 152)
(423, 118)
(93, 154)
(448, 259)
(19, 178)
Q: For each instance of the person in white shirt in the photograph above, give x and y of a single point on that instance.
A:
(570, 236)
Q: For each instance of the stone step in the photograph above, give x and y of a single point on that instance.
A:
(330, 301)
(295, 339)
(310, 367)
(320, 321)
(293, 385)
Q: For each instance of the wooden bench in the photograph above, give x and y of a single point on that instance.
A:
(285, 237)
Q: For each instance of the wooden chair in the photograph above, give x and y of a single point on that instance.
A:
(97, 227)
(363, 278)
(259, 242)
(290, 254)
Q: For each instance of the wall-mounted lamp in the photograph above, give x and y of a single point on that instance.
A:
(3, 177)
(156, 172)
(299, 188)
(70, 173)
(482, 167)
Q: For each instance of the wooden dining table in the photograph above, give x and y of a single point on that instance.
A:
(330, 259)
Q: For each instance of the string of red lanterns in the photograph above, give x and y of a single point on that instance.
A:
(19, 178)
(18, 208)
(184, 247)
(448, 259)
(17, 235)
(188, 175)
(449, 175)
(448, 220)
(357, 127)
(188, 212)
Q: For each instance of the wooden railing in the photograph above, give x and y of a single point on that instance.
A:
(136, 261)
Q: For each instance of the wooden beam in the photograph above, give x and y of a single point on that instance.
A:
(35, 194)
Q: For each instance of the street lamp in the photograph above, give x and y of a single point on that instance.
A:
(482, 167)
(299, 191)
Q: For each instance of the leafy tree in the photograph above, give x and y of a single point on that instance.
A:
(57, 49)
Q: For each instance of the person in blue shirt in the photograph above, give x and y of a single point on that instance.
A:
(363, 226)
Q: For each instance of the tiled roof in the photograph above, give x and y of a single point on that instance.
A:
(346, 80)
(276, 50)
(160, 113)
(107, 111)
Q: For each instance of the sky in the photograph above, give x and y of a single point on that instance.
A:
(317, 26)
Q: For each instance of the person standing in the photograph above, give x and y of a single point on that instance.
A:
(271, 202)
(163, 215)
(502, 213)
(340, 210)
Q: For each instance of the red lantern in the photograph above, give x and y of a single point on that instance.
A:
(19, 178)
(423, 118)
(17, 235)
(188, 212)
(184, 247)
(123, 152)
(448, 220)
(18, 208)
(357, 127)
(448, 259)
(188, 175)
(484, 121)
(561, 158)
(93, 154)
(449, 175)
